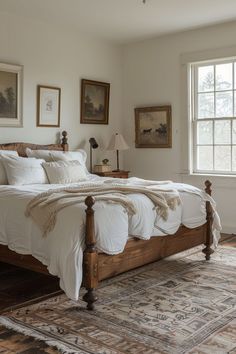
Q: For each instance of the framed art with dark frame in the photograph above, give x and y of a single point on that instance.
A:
(94, 102)
(11, 95)
(153, 127)
(48, 106)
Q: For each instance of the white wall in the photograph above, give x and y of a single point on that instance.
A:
(153, 75)
(58, 57)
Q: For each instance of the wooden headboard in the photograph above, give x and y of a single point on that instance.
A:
(21, 147)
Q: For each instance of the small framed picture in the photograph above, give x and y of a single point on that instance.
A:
(11, 87)
(94, 102)
(153, 127)
(48, 106)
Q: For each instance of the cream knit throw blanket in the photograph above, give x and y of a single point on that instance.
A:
(44, 207)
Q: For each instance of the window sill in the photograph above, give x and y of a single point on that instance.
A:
(211, 175)
(218, 181)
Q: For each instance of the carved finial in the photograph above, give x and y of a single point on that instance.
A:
(208, 185)
(64, 139)
(89, 201)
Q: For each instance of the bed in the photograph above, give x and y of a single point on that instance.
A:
(98, 265)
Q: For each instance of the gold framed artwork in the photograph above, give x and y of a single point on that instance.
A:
(153, 127)
(48, 106)
(94, 102)
(11, 95)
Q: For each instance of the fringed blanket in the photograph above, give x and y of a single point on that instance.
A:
(44, 207)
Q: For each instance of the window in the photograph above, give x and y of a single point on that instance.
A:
(213, 117)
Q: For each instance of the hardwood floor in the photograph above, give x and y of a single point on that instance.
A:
(18, 286)
(12, 342)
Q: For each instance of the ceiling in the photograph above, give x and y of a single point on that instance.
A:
(125, 21)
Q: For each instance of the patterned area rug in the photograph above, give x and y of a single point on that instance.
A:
(179, 305)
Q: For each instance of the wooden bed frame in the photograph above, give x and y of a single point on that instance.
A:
(99, 266)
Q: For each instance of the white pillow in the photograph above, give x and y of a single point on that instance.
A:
(39, 154)
(21, 171)
(79, 155)
(62, 172)
(53, 155)
(3, 175)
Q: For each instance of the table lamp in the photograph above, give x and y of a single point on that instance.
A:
(117, 143)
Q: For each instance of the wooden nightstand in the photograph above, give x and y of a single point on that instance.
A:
(114, 174)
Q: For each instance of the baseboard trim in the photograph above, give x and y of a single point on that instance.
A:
(229, 229)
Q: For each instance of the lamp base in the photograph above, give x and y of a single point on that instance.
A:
(117, 170)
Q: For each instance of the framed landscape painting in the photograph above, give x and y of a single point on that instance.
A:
(153, 127)
(48, 106)
(11, 77)
(94, 102)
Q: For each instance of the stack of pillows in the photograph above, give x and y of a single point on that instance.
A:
(42, 166)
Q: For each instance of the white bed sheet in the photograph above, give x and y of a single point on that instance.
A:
(62, 250)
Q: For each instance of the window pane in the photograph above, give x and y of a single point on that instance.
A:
(222, 158)
(204, 133)
(234, 132)
(224, 104)
(205, 158)
(205, 105)
(222, 132)
(224, 76)
(234, 159)
(206, 78)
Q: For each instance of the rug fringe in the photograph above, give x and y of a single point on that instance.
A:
(8, 323)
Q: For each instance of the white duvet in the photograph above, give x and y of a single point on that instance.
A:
(62, 250)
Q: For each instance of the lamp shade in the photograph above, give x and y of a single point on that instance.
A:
(117, 142)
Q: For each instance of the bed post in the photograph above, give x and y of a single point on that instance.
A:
(64, 141)
(90, 256)
(209, 217)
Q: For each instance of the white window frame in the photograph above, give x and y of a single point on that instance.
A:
(193, 85)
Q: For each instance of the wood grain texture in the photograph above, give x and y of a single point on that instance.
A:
(114, 174)
(90, 266)
(21, 147)
(18, 286)
(24, 261)
(209, 218)
(139, 252)
(136, 253)
(13, 342)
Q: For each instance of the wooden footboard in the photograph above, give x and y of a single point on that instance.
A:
(99, 266)
(140, 252)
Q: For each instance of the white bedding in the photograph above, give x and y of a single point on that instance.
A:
(62, 250)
